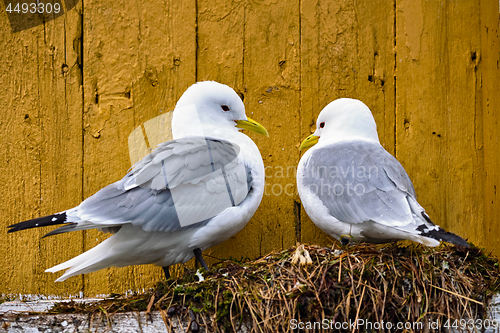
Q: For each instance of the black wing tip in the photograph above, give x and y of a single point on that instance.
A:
(17, 227)
(455, 239)
(43, 221)
(442, 235)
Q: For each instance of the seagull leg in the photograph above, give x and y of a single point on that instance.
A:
(197, 254)
(167, 272)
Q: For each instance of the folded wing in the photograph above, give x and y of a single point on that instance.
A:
(183, 183)
(360, 181)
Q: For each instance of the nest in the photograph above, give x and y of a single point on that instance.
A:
(315, 289)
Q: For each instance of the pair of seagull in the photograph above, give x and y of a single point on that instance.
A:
(202, 187)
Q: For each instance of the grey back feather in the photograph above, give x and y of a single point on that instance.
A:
(360, 182)
(182, 184)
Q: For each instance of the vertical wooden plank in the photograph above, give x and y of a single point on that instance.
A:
(438, 110)
(272, 81)
(111, 64)
(61, 157)
(220, 56)
(346, 51)
(18, 153)
(41, 166)
(139, 59)
(489, 67)
(221, 29)
(19, 165)
(310, 104)
(168, 53)
(375, 75)
(232, 50)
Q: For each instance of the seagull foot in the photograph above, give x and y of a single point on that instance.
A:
(346, 240)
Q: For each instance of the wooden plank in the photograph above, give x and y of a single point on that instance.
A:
(220, 56)
(19, 165)
(225, 29)
(347, 51)
(111, 65)
(489, 67)
(168, 53)
(61, 160)
(272, 82)
(438, 110)
(79, 322)
(41, 166)
(135, 70)
(221, 42)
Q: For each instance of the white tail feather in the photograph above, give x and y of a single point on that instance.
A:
(94, 259)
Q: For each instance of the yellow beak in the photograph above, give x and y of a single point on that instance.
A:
(310, 141)
(251, 125)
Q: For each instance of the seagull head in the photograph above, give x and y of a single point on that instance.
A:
(210, 107)
(343, 119)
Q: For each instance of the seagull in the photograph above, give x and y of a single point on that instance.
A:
(187, 195)
(353, 189)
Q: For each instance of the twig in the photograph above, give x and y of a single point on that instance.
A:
(458, 295)
(165, 319)
(150, 305)
(359, 307)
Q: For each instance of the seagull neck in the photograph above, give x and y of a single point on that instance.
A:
(221, 132)
(207, 130)
(343, 137)
(328, 141)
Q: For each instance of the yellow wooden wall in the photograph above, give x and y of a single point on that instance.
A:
(74, 88)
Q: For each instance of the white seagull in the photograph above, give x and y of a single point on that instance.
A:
(352, 188)
(186, 196)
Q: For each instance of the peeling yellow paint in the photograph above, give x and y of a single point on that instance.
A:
(414, 25)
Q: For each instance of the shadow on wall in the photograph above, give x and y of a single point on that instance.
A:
(27, 15)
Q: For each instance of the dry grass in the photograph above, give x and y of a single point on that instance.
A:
(388, 283)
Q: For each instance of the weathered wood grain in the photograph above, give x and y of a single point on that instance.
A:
(347, 51)
(439, 110)
(272, 81)
(41, 155)
(489, 101)
(220, 56)
(135, 69)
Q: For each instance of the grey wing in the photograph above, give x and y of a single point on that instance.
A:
(181, 184)
(361, 182)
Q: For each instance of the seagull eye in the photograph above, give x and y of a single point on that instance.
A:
(321, 125)
(225, 107)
